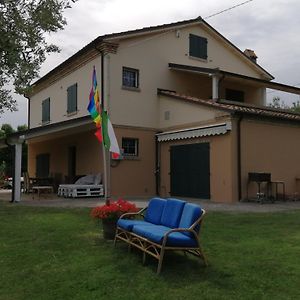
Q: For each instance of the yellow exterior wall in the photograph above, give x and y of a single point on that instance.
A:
(151, 56)
(135, 177)
(58, 95)
(272, 148)
(182, 113)
(253, 95)
(129, 177)
(88, 155)
(222, 172)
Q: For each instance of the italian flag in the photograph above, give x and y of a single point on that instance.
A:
(108, 136)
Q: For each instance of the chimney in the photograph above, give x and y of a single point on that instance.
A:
(251, 54)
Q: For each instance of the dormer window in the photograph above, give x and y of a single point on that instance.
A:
(198, 46)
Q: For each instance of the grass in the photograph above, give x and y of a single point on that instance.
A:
(56, 253)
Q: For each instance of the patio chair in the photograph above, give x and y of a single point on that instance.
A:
(28, 183)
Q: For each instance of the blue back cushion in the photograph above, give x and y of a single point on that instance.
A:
(154, 210)
(172, 213)
(190, 214)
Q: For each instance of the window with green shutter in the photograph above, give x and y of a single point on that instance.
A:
(72, 98)
(46, 110)
(198, 46)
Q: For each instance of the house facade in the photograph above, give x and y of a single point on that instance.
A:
(188, 109)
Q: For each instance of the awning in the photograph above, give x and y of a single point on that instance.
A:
(190, 133)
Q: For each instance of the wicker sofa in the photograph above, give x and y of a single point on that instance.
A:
(166, 224)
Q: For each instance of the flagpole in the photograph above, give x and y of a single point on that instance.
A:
(106, 160)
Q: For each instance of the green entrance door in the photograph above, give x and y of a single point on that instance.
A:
(190, 171)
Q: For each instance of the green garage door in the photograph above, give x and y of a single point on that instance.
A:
(190, 172)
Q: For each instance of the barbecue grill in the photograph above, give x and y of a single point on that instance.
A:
(260, 178)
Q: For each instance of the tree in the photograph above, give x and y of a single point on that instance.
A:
(23, 46)
(296, 107)
(6, 155)
(278, 103)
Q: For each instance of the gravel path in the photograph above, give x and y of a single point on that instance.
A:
(48, 200)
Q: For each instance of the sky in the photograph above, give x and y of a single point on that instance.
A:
(269, 27)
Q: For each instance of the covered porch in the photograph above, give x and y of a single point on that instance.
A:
(217, 84)
(57, 153)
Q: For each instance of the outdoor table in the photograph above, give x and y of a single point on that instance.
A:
(40, 189)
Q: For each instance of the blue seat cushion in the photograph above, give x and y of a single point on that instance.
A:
(154, 210)
(191, 212)
(172, 213)
(155, 233)
(127, 224)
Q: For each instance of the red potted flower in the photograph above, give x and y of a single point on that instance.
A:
(110, 213)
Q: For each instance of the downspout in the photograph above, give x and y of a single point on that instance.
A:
(239, 157)
(157, 166)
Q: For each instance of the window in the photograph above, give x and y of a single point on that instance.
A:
(46, 111)
(234, 95)
(198, 46)
(130, 146)
(130, 77)
(72, 98)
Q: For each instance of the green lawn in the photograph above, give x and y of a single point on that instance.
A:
(52, 253)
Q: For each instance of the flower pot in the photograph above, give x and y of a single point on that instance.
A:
(109, 228)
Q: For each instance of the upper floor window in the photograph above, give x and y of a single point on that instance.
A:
(72, 98)
(130, 146)
(130, 77)
(46, 110)
(234, 95)
(198, 46)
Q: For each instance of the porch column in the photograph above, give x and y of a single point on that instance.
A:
(16, 192)
(215, 87)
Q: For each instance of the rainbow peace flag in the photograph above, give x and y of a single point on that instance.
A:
(105, 132)
(94, 106)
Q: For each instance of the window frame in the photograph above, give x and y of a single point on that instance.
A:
(136, 83)
(45, 114)
(133, 154)
(70, 89)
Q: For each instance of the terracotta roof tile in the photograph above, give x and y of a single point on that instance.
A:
(237, 107)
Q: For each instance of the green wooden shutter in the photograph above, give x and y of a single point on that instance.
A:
(46, 110)
(198, 46)
(72, 98)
